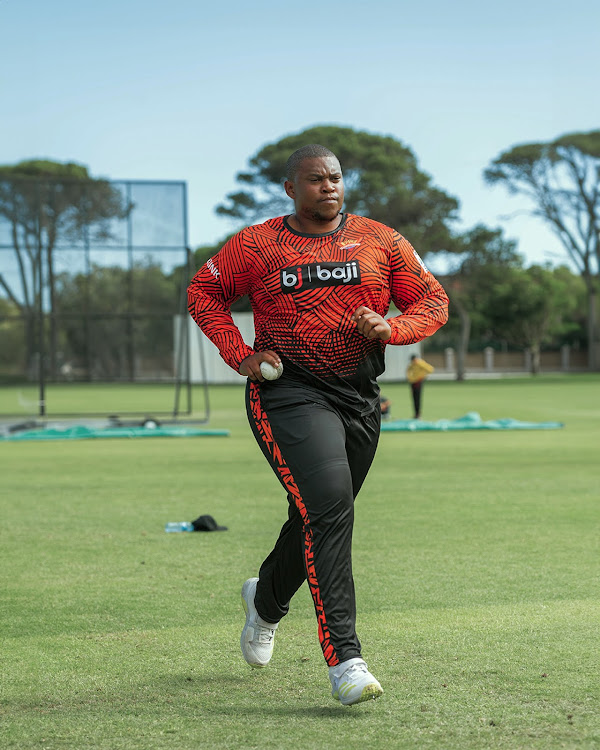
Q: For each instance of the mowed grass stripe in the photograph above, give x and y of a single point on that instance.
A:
(475, 560)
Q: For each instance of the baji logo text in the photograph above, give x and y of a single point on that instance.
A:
(314, 275)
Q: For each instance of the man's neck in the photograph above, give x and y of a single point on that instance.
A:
(305, 225)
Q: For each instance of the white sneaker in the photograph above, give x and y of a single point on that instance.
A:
(351, 682)
(257, 635)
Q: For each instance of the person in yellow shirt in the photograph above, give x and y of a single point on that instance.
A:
(416, 372)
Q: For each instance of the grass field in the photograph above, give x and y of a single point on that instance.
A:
(476, 565)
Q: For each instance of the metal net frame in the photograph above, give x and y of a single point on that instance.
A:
(93, 279)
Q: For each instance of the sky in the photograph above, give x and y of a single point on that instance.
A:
(190, 90)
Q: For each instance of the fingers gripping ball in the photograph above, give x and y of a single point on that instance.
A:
(269, 372)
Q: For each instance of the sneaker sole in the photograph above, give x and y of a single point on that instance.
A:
(370, 693)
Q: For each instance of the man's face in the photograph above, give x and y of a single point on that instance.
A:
(318, 189)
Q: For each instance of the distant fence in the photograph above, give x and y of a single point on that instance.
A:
(490, 361)
(207, 365)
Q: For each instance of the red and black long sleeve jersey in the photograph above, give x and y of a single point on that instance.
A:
(304, 289)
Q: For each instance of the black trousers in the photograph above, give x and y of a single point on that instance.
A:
(321, 456)
(416, 389)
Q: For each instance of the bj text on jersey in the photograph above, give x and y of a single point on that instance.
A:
(313, 275)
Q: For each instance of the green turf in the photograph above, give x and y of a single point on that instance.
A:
(476, 565)
(100, 398)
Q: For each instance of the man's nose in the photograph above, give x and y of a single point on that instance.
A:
(327, 186)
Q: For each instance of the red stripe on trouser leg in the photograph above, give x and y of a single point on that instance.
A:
(265, 432)
(324, 637)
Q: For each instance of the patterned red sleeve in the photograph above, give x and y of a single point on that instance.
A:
(221, 280)
(417, 293)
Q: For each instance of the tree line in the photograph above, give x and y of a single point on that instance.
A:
(495, 299)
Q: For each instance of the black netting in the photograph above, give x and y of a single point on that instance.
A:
(92, 280)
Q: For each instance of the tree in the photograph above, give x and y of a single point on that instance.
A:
(481, 261)
(533, 307)
(46, 203)
(94, 308)
(562, 179)
(11, 338)
(382, 179)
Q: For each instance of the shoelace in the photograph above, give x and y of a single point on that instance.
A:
(355, 670)
(265, 635)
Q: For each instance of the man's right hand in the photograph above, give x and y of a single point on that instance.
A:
(250, 367)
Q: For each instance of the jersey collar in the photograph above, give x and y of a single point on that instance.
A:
(302, 234)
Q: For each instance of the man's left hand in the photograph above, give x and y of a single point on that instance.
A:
(371, 324)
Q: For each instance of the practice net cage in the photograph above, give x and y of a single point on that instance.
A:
(93, 279)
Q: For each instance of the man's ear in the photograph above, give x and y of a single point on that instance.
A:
(289, 189)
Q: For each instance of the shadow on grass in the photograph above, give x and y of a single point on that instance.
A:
(234, 695)
(225, 696)
(316, 711)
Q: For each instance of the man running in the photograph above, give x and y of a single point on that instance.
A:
(320, 283)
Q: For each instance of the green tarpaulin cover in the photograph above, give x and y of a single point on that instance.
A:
(471, 421)
(80, 432)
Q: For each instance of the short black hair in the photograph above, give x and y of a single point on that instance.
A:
(311, 151)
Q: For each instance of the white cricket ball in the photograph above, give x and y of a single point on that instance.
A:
(269, 372)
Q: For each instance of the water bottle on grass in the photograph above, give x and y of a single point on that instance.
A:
(177, 526)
